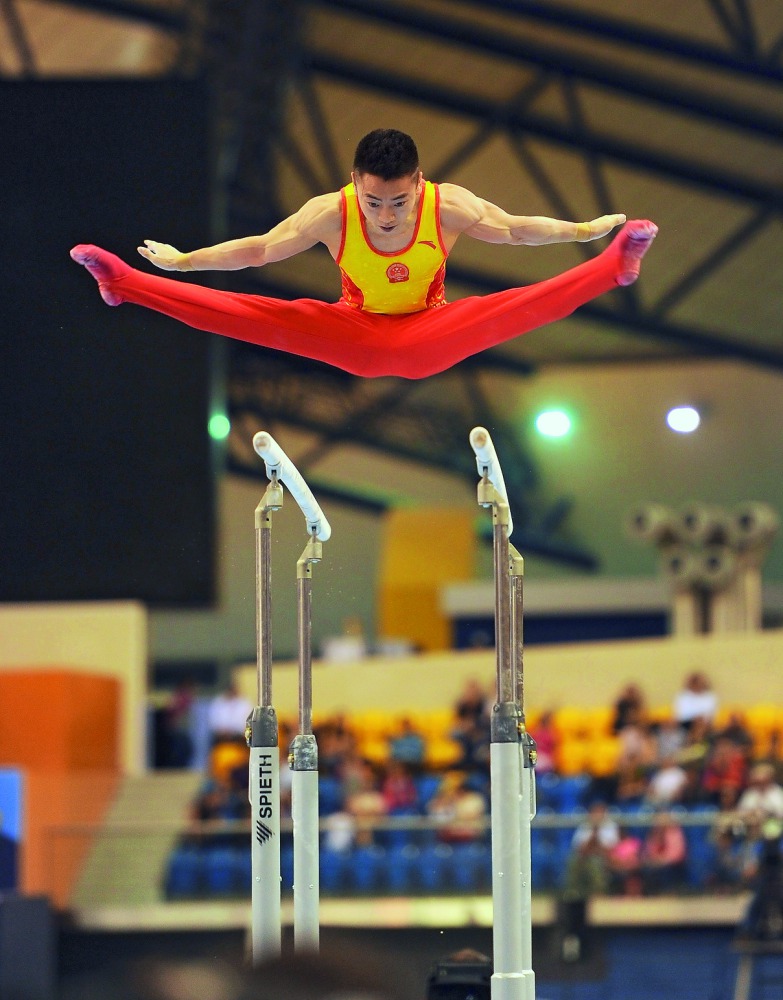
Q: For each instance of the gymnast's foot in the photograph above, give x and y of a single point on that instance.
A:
(105, 267)
(632, 243)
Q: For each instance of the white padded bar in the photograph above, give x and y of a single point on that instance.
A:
(277, 461)
(487, 459)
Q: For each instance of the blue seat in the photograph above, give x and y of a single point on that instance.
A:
(332, 869)
(402, 874)
(402, 836)
(543, 864)
(427, 786)
(700, 863)
(287, 868)
(330, 795)
(221, 870)
(548, 790)
(435, 868)
(472, 866)
(366, 871)
(184, 876)
(244, 870)
(572, 792)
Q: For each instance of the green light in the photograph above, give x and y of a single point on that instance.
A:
(219, 426)
(553, 423)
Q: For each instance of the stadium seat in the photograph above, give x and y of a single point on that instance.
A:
(403, 869)
(287, 868)
(366, 870)
(332, 869)
(330, 795)
(184, 877)
(221, 871)
(548, 790)
(543, 863)
(427, 786)
(472, 866)
(435, 868)
(572, 792)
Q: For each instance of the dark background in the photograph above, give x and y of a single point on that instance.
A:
(108, 471)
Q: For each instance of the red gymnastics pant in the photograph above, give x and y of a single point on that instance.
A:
(413, 345)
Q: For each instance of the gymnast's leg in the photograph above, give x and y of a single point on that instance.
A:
(337, 335)
(442, 337)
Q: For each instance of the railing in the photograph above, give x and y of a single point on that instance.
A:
(145, 862)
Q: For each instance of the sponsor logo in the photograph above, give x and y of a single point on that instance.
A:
(263, 833)
(397, 272)
(427, 243)
(265, 790)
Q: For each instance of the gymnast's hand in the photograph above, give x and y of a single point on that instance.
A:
(598, 227)
(166, 257)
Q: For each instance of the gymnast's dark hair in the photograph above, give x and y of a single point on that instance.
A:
(386, 153)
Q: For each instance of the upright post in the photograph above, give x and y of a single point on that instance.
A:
(304, 767)
(528, 755)
(262, 739)
(511, 796)
(304, 752)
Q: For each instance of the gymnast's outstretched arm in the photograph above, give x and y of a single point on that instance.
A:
(318, 220)
(463, 212)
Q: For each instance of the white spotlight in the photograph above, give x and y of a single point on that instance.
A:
(683, 419)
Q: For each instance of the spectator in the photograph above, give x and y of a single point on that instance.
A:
(227, 716)
(336, 742)
(588, 870)
(407, 746)
(669, 738)
(179, 725)
(472, 704)
(697, 746)
(339, 831)
(545, 738)
(364, 801)
(724, 773)
(663, 854)
(461, 810)
(736, 859)
(638, 743)
(667, 785)
(696, 700)
(398, 787)
(624, 863)
(630, 781)
(473, 738)
(630, 707)
(223, 798)
(737, 731)
(763, 798)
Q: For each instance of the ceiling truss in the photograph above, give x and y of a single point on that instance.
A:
(257, 54)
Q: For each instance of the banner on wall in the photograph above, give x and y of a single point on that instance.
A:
(11, 789)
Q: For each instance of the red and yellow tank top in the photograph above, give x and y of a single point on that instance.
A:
(409, 280)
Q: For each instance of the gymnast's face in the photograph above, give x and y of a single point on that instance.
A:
(388, 206)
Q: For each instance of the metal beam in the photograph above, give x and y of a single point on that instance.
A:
(641, 36)
(653, 89)
(168, 18)
(643, 157)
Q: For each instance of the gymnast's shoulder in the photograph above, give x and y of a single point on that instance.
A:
(459, 208)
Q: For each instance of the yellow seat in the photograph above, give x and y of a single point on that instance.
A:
(599, 720)
(570, 722)
(374, 749)
(603, 756)
(378, 722)
(441, 753)
(227, 757)
(572, 757)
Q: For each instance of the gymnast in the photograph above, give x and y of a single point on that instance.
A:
(389, 231)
